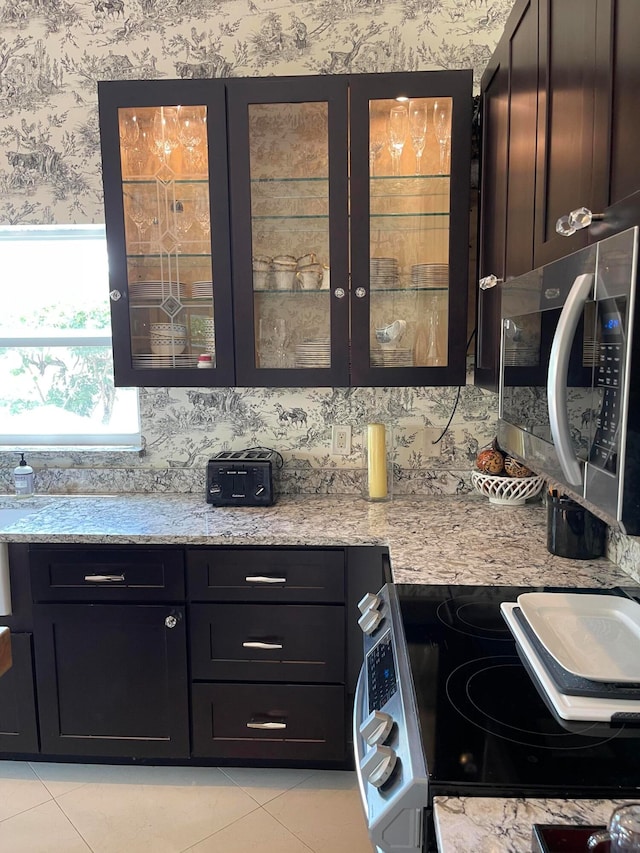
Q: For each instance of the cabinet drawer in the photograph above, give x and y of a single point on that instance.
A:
(249, 574)
(109, 574)
(251, 721)
(264, 642)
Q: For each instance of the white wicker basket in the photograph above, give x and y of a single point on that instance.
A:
(511, 491)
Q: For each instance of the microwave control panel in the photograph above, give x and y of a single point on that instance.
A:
(609, 378)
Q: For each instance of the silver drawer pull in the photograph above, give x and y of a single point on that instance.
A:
(274, 725)
(258, 644)
(104, 578)
(264, 579)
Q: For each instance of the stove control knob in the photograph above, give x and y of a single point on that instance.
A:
(370, 620)
(375, 729)
(371, 601)
(378, 765)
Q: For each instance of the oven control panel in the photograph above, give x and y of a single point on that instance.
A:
(382, 682)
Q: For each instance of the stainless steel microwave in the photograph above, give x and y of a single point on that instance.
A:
(570, 375)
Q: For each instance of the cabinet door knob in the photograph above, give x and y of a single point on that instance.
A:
(171, 621)
(579, 218)
(360, 292)
(489, 281)
(114, 295)
(339, 293)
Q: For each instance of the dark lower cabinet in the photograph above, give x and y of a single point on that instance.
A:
(18, 723)
(112, 680)
(288, 722)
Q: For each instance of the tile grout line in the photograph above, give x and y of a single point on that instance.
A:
(73, 826)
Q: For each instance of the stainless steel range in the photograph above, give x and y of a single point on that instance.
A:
(445, 706)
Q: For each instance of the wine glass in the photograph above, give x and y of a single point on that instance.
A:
(203, 214)
(418, 129)
(165, 133)
(376, 144)
(190, 130)
(139, 215)
(183, 219)
(442, 127)
(398, 123)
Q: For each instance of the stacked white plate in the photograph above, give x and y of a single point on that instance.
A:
(202, 289)
(400, 357)
(430, 275)
(592, 638)
(383, 273)
(521, 357)
(154, 360)
(156, 290)
(315, 352)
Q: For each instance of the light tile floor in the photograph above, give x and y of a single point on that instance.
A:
(75, 808)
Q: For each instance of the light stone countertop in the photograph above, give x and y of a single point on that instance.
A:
(439, 540)
(488, 825)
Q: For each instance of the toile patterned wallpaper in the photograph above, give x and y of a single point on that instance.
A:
(53, 52)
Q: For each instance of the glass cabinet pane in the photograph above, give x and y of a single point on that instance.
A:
(168, 235)
(409, 202)
(289, 179)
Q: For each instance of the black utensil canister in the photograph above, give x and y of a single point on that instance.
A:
(573, 531)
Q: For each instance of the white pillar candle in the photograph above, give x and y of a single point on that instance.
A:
(377, 461)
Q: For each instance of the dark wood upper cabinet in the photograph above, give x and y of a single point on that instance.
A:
(275, 225)
(558, 101)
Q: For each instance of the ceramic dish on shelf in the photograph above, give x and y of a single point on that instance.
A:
(507, 491)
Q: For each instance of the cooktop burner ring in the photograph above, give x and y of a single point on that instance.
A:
(466, 678)
(472, 617)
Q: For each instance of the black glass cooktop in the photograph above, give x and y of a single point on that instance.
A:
(486, 729)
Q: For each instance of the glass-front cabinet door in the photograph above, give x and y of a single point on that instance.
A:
(410, 159)
(165, 177)
(289, 207)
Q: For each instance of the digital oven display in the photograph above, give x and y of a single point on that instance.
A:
(381, 673)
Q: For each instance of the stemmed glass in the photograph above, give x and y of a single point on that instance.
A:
(418, 129)
(165, 133)
(442, 127)
(203, 214)
(129, 131)
(183, 219)
(139, 215)
(398, 123)
(376, 144)
(190, 131)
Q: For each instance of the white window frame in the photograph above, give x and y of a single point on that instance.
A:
(65, 338)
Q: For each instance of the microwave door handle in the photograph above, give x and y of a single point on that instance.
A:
(558, 375)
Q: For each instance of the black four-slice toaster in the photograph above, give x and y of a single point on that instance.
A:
(242, 478)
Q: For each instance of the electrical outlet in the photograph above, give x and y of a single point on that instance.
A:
(432, 434)
(340, 440)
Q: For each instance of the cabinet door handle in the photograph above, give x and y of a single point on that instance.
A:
(270, 725)
(264, 579)
(260, 644)
(104, 578)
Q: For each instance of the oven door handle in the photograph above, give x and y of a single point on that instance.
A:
(357, 739)
(558, 374)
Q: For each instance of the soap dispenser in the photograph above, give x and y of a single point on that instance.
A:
(23, 478)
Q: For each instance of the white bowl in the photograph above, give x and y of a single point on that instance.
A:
(506, 491)
(168, 330)
(168, 347)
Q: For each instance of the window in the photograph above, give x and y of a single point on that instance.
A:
(56, 367)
